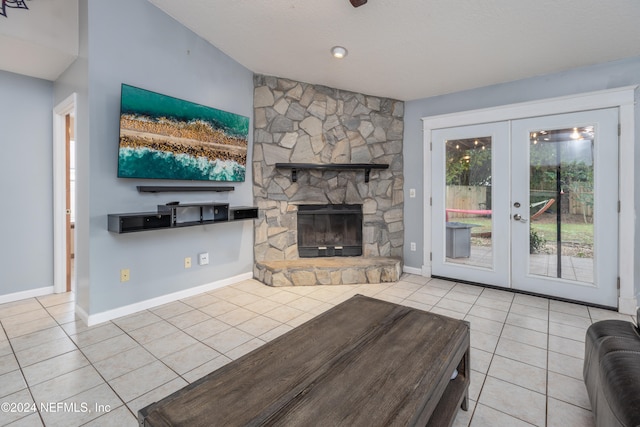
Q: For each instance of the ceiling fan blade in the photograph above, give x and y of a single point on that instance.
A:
(356, 3)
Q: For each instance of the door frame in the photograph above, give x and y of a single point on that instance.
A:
(623, 98)
(60, 111)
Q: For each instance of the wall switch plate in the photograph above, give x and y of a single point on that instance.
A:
(187, 262)
(203, 258)
(125, 275)
(412, 193)
(413, 246)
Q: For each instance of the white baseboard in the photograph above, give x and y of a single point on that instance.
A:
(31, 293)
(426, 271)
(82, 314)
(627, 305)
(412, 270)
(105, 316)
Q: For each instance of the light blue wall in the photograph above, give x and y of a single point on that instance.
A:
(133, 42)
(26, 171)
(587, 79)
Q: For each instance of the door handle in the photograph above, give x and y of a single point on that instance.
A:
(518, 217)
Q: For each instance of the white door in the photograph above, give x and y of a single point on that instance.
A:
(564, 198)
(529, 204)
(470, 206)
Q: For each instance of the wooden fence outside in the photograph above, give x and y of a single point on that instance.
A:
(475, 197)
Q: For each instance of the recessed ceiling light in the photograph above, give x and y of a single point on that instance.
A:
(338, 52)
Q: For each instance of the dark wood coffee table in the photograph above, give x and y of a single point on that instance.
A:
(365, 362)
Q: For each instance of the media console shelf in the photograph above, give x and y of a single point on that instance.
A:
(331, 166)
(178, 216)
(174, 188)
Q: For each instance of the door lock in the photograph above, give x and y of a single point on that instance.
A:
(518, 217)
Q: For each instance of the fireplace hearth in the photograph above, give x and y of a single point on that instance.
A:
(329, 230)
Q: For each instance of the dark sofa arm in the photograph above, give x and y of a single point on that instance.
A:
(612, 372)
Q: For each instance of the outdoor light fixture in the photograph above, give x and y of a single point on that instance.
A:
(338, 52)
(575, 134)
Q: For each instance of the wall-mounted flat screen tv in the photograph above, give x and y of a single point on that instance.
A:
(168, 138)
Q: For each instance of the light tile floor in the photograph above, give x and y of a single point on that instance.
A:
(526, 355)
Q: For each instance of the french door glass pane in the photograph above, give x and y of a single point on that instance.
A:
(561, 196)
(468, 216)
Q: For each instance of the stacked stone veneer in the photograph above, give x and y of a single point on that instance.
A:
(298, 122)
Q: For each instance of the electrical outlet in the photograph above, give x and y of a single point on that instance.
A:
(412, 193)
(187, 262)
(413, 246)
(125, 275)
(203, 258)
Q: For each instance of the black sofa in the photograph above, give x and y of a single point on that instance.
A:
(612, 372)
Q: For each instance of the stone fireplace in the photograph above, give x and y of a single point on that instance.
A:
(329, 230)
(300, 123)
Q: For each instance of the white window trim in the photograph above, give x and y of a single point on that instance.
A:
(622, 98)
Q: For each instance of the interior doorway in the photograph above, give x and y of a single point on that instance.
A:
(64, 150)
(70, 198)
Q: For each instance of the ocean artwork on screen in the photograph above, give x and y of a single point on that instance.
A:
(169, 138)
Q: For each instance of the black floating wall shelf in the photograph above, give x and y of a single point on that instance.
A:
(177, 189)
(179, 216)
(331, 166)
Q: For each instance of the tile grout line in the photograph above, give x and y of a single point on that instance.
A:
(28, 388)
(493, 354)
(94, 368)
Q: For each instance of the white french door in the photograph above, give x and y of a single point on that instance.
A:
(529, 204)
(470, 176)
(577, 254)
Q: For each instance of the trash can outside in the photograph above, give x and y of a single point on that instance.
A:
(459, 239)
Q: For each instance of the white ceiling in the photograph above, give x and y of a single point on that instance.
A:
(410, 49)
(403, 49)
(41, 41)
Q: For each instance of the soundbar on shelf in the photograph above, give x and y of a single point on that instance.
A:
(174, 188)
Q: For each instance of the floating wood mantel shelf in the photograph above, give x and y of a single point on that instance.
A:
(176, 189)
(331, 166)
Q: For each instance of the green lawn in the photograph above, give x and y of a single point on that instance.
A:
(571, 232)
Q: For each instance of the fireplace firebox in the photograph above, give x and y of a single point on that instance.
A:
(329, 230)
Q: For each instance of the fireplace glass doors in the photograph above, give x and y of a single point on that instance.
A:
(329, 230)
